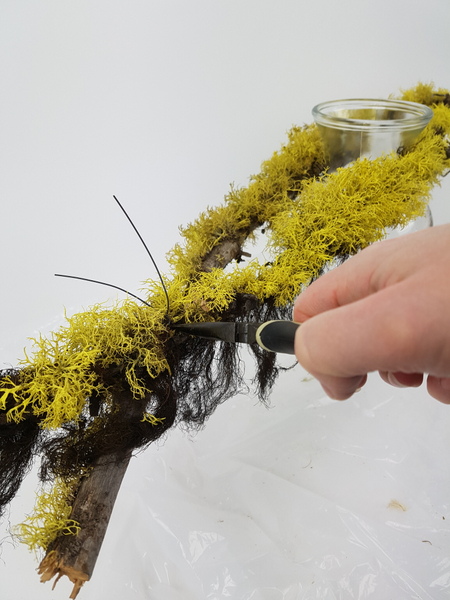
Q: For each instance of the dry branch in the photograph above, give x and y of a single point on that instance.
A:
(75, 555)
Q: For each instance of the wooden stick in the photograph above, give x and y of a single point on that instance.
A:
(221, 255)
(228, 249)
(75, 556)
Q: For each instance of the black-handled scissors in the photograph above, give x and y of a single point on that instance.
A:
(275, 336)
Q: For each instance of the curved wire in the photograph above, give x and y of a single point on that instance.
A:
(148, 252)
(103, 283)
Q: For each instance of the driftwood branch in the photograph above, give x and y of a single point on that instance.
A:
(221, 255)
(228, 249)
(75, 555)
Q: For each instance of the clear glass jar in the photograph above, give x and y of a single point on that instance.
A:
(357, 128)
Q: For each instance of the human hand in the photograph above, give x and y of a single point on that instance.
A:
(386, 309)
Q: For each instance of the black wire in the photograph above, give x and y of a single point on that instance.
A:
(103, 283)
(148, 252)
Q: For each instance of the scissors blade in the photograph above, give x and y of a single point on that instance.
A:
(274, 336)
(243, 333)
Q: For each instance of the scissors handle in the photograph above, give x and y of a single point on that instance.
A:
(277, 336)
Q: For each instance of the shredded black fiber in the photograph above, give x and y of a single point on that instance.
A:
(203, 374)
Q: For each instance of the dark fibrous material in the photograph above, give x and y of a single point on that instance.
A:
(18, 445)
(202, 375)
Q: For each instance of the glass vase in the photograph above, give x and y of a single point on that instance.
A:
(368, 128)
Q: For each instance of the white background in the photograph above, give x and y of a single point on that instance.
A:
(165, 103)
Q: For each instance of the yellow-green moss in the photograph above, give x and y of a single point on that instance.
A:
(309, 219)
(51, 517)
(59, 377)
(267, 194)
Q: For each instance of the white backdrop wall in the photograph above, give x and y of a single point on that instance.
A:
(165, 103)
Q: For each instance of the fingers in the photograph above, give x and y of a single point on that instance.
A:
(439, 388)
(353, 280)
(332, 290)
(341, 388)
(377, 333)
(402, 379)
(379, 266)
(386, 309)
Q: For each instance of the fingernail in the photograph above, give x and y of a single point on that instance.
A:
(394, 381)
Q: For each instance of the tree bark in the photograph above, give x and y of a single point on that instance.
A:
(228, 249)
(221, 255)
(75, 555)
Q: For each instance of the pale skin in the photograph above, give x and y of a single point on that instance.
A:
(386, 309)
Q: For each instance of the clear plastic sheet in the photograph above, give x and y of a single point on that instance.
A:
(308, 499)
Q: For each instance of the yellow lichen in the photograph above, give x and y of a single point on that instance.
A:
(309, 219)
(51, 517)
(149, 418)
(59, 377)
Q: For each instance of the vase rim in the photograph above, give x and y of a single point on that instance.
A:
(412, 114)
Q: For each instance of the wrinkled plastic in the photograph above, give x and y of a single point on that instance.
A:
(308, 499)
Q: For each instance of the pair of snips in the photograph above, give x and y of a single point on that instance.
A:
(274, 336)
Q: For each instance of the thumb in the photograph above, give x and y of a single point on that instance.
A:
(340, 346)
(323, 359)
